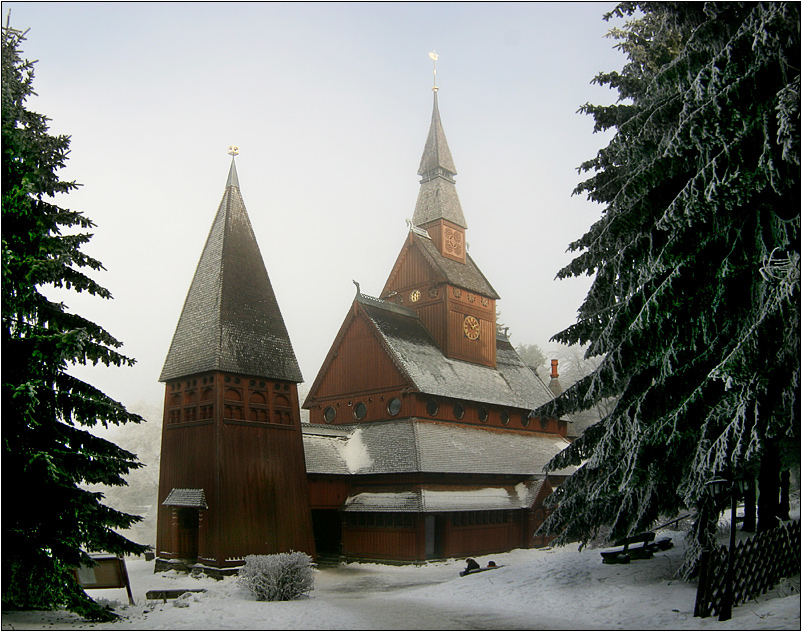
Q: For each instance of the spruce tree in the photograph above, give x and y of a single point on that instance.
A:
(49, 521)
(694, 306)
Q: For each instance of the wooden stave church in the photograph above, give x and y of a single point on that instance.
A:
(419, 446)
(421, 371)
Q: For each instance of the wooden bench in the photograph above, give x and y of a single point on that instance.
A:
(647, 548)
(171, 593)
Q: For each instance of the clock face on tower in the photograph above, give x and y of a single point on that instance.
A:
(470, 326)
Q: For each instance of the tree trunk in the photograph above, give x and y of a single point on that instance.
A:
(768, 502)
(750, 509)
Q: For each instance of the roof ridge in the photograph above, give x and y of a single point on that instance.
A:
(366, 299)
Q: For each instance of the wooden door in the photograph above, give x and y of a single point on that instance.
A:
(188, 523)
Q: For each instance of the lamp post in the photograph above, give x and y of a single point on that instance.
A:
(718, 487)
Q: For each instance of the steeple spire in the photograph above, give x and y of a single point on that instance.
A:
(233, 180)
(231, 320)
(436, 160)
(437, 199)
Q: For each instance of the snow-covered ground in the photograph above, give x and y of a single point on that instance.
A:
(560, 588)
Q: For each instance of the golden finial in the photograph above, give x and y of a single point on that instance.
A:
(233, 150)
(434, 56)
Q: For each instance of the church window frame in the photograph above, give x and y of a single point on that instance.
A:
(394, 407)
(432, 407)
(360, 411)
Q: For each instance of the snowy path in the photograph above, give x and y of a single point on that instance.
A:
(559, 589)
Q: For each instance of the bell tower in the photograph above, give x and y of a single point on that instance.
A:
(434, 274)
(232, 478)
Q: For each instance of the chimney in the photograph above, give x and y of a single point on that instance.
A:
(554, 385)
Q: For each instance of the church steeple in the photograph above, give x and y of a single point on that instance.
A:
(437, 199)
(436, 160)
(438, 209)
(231, 320)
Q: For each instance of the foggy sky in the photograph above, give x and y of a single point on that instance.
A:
(330, 106)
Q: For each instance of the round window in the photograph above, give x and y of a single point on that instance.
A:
(459, 411)
(394, 407)
(525, 420)
(505, 417)
(483, 414)
(360, 410)
(431, 407)
(329, 414)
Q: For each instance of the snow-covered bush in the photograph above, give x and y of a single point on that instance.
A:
(278, 577)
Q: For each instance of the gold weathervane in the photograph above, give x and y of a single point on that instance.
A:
(434, 57)
(233, 150)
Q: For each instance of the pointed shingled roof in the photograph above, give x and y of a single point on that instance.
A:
(436, 154)
(231, 320)
(437, 198)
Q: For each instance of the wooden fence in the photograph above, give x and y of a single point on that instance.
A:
(760, 562)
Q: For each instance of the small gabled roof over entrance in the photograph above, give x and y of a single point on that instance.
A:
(184, 497)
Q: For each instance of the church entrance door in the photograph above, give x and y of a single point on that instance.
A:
(188, 523)
(434, 536)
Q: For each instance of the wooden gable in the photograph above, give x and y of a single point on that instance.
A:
(411, 269)
(357, 364)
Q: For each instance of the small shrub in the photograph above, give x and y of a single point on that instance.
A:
(278, 577)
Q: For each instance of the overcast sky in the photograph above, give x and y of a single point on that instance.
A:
(330, 105)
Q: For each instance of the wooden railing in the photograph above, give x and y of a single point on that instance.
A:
(760, 562)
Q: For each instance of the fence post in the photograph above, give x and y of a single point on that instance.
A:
(701, 607)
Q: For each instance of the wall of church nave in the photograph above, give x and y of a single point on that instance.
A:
(474, 533)
(382, 543)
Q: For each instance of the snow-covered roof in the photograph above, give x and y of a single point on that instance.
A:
(465, 275)
(510, 383)
(231, 320)
(440, 498)
(183, 497)
(416, 445)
